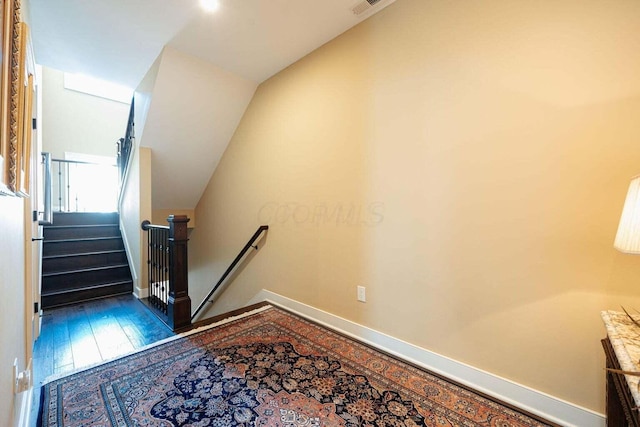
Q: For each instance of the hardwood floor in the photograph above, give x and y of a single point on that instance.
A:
(84, 334)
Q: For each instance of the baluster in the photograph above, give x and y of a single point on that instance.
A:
(168, 276)
(151, 267)
(75, 192)
(155, 267)
(166, 269)
(60, 209)
(67, 202)
(149, 281)
(153, 264)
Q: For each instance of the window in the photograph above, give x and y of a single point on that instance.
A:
(97, 87)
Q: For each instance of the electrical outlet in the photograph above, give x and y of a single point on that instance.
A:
(362, 296)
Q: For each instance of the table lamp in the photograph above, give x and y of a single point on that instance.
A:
(628, 235)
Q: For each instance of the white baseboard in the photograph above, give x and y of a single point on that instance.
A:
(128, 252)
(25, 409)
(141, 293)
(536, 402)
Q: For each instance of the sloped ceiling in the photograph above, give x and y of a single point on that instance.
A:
(118, 40)
(193, 110)
(201, 68)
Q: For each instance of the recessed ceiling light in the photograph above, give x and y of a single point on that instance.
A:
(209, 5)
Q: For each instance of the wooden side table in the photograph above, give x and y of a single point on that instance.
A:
(622, 351)
(620, 406)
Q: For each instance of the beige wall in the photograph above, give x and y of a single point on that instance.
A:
(192, 103)
(466, 162)
(14, 339)
(76, 122)
(135, 207)
(12, 305)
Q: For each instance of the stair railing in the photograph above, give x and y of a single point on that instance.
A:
(125, 146)
(45, 216)
(168, 271)
(83, 186)
(251, 244)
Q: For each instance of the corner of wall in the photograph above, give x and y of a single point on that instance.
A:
(135, 206)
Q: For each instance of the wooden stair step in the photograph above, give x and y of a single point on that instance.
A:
(115, 251)
(58, 298)
(75, 246)
(66, 232)
(82, 239)
(67, 262)
(97, 286)
(84, 270)
(80, 218)
(77, 279)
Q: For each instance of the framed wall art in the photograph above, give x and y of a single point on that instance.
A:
(5, 60)
(25, 92)
(16, 101)
(10, 77)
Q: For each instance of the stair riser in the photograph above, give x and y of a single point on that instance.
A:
(68, 263)
(49, 301)
(76, 247)
(84, 279)
(60, 233)
(84, 218)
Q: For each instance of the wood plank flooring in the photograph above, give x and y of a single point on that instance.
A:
(80, 335)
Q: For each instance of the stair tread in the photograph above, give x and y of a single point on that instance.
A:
(114, 251)
(83, 239)
(81, 226)
(72, 290)
(85, 270)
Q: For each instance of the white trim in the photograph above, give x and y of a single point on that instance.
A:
(141, 293)
(138, 291)
(536, 402)
(25, 408)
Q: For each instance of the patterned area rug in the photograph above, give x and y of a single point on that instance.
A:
(272, 369)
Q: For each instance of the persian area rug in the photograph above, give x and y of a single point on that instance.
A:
(272, 369)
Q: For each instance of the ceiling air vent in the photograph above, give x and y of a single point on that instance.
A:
(367, 5)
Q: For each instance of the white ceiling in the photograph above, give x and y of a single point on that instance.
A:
(219, 57)
(118, 40)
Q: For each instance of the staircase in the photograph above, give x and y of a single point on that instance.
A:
(83, 258)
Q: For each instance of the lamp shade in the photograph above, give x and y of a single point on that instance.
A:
(628, 235)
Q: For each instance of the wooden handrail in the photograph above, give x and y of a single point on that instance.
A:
(234, 263)
(146, 226)
(125, 145)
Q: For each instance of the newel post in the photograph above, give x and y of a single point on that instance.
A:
(179, 304)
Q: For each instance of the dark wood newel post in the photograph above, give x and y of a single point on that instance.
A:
(179, 304)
